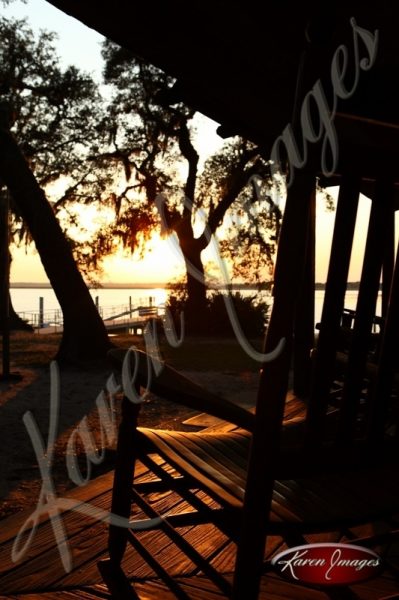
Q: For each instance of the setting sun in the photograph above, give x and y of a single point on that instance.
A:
(159, 263)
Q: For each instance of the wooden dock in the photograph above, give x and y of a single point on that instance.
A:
(40, 574)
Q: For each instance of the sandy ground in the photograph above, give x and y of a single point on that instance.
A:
(25, 416)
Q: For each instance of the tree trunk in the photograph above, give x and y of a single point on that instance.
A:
(195, 316)
(84, 336)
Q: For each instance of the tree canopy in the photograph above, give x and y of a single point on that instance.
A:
(153, 140)
(58, 121)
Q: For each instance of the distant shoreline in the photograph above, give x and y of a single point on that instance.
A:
(145, 286)
(134, 286)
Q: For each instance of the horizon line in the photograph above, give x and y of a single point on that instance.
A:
(149, 285)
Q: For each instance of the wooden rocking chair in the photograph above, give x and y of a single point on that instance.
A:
(331, 471)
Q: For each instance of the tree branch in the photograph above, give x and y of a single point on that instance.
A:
(237, 183)
(191, 155)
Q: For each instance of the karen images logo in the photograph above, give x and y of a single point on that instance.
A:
(328, 564)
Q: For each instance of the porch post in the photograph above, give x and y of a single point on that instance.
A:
(305, 313)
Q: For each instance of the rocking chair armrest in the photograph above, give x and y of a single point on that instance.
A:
(173, 386)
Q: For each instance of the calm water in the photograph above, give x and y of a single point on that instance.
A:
(27, 300)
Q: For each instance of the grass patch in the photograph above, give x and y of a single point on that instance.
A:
(209, 354)
(32, 349)
(36, 350)
(201, 354)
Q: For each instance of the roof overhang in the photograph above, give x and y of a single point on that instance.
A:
(238, 64)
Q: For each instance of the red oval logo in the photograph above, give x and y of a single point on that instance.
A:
(328, 564)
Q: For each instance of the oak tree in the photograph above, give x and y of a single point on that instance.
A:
(153, 140)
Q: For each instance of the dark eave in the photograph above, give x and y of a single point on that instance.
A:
(237, 62)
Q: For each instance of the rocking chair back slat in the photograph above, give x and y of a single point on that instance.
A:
(334, 299)
(359, 350)
(388, 363)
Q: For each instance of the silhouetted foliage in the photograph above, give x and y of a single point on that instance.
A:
(58, 120)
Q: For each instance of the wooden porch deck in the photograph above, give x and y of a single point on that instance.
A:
(39, 574)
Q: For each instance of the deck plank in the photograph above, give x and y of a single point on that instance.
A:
(41, 565)
(40, 575)
(294, 409)
(12, 524)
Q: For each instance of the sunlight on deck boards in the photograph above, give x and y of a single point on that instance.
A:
(41, 571)
(40, 574)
